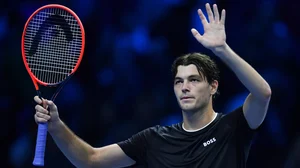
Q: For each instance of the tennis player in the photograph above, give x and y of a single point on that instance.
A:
(204, 138)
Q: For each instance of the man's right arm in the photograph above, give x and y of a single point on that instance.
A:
(81, 154)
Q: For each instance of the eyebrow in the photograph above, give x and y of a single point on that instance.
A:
(191, 76)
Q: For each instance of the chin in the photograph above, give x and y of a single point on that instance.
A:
(188, 107)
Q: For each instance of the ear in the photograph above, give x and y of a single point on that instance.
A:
(214, 87)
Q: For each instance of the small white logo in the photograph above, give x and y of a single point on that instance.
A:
(209, 142)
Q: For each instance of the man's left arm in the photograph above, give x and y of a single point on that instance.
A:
(214, 38)
(256, 104)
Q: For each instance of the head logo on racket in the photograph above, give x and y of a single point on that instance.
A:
(53, 27)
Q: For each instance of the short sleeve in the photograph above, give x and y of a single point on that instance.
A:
(135, 147)
(237, 119)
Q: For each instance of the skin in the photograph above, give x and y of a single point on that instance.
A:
(256, 104)
(194, 96)
(196, 111)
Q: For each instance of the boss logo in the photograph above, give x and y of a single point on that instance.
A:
(209, 142)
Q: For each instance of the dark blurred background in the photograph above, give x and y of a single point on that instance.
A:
(124, 83)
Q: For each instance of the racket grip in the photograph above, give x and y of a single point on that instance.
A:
(40, 144)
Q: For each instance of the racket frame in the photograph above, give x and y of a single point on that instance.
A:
(35, 80)
(39, 160)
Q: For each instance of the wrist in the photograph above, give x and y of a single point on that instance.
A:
(54, 126)
(221, 50)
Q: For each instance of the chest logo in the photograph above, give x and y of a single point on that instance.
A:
(212, 140)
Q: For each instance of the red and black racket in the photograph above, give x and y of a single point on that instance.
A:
(53, 44)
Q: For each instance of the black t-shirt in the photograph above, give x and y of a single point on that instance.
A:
(224, 143)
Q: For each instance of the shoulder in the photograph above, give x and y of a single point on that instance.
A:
(233, 115)
(232, 118)
(159, 129)
(236, 119)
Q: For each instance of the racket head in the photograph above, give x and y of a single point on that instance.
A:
(53, 36)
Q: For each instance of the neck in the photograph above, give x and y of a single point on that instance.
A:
(198, 119)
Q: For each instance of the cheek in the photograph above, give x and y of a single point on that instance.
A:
(203, 93)
(176, 92)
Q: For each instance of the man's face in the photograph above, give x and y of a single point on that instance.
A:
(191, 90)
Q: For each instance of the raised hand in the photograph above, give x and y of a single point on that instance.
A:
(214, 30)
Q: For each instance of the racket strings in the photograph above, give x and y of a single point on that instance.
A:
(53, 43)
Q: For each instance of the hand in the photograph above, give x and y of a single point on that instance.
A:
(42, 115)
(214, 36)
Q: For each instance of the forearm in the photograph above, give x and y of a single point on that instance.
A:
(250, 78)
(75, 149)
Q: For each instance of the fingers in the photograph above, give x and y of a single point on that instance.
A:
(196, 34)
(42, 101)
(41, 115)
(216, 12)
(213, 16)
(209, 13)
(223, 17)
(44, 104)
(41, 109)
(41, 118)
(37, 99)
(51, 106)
(202, 17)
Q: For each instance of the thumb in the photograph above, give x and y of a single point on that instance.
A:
(196, 34)
(51, 106)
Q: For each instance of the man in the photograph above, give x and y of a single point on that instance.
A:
(204, 138)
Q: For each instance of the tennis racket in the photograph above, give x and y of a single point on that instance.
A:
(53, 42)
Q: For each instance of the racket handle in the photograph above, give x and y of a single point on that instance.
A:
(40, 144)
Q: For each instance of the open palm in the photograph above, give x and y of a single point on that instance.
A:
(214, 31)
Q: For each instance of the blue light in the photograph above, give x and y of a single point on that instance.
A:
(72, 93)
(235, 102)
(173, 2)
(140, 39)
(28, 9)
(122, 55)
(19, 151)
(3, 27)
(280, 29)
(208, 1)
(171, 119)
(275, 126)
(83, 8)
(196, 22)
(4, 103)
(274, 123)
(105, 77)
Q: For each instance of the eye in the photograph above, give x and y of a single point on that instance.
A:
(195, 80)
(177, 82)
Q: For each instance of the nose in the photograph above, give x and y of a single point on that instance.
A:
(185, 87)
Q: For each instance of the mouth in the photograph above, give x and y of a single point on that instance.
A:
(186, 98)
